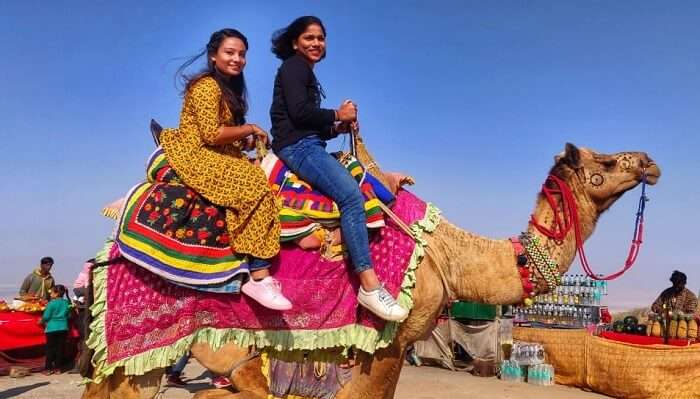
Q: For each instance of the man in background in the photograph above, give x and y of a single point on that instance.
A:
(39, 282)
(677, 298)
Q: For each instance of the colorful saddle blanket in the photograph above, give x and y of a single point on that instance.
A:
(170, 230)
(144, 322)
(304, 209)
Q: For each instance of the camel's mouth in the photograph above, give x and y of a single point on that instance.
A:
(653, 173)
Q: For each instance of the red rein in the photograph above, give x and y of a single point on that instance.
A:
(567, 218)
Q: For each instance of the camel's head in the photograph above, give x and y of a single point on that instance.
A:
(605, 177)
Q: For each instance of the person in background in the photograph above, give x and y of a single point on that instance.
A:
(677, 298)
(80, 290)
(40, 281)
(81, 282)
(55, 320)
(175, 372)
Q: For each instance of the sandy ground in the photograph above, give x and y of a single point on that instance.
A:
(415, 383)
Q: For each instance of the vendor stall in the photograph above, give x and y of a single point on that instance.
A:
(656, 357)
(20, 330)
(22, 339)
(617, 368)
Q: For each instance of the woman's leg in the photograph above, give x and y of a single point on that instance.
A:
(259, 268)
(309, 160)
(264, 288)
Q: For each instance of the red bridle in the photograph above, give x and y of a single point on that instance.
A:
(567, 218)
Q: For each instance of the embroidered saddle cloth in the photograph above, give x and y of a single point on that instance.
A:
(304, 209)
(143, 321)
(172, 231)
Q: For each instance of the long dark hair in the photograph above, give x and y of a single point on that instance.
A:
(233, 89)
(283, 39)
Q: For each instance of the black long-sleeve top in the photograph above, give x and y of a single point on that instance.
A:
(296, 105)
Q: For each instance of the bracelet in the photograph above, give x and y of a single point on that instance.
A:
(335, 112)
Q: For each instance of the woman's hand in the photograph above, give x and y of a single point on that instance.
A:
(397, 179)
(249, 143)
(342, 127)
(259, 134)
(347, 111)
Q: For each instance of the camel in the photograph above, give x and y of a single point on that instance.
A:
(457, 263)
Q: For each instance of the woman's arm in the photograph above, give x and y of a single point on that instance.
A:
(205, 97)
(230, 134)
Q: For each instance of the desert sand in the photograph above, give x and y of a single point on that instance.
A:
(414, 383)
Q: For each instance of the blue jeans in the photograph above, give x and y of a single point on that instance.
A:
(180, 365)
(308, 159)
(255, 264)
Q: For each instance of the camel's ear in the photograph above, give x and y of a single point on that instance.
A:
(571, 156)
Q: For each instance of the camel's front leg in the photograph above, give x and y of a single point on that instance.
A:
(376, 376)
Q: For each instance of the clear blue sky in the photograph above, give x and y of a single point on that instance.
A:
(471, 98)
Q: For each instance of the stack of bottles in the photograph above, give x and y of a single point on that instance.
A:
(527, 363)
(541, 374)
(527, 354)
(575, 303)
(511, 371)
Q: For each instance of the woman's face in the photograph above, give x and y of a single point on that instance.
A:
(230, 57)
(311, 44)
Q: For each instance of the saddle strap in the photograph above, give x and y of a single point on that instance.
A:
(450, 294)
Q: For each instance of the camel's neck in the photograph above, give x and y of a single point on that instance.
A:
(563, 253)
(484, 270)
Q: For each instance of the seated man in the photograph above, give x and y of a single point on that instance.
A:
(676, 298)
(39, 282)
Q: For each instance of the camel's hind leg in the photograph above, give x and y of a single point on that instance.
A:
(120, 386)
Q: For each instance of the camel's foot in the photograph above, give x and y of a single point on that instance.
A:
(226, 394)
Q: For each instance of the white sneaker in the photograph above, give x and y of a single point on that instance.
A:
(267, 292)
(381, 303)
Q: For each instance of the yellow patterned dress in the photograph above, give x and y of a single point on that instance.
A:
(222, 173)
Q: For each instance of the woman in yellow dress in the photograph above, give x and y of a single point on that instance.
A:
(207, 154)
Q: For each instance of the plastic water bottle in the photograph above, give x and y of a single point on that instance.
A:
(531, 375)
(546, 375)
(511, 371)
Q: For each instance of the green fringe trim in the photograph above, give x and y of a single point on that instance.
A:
(290, 345)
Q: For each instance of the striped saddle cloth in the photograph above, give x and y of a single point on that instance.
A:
(172, 231)
(305, 209)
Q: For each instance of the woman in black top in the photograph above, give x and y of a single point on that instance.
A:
(300, 128)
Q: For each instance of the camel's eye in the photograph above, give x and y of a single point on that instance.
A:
(596, 179)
